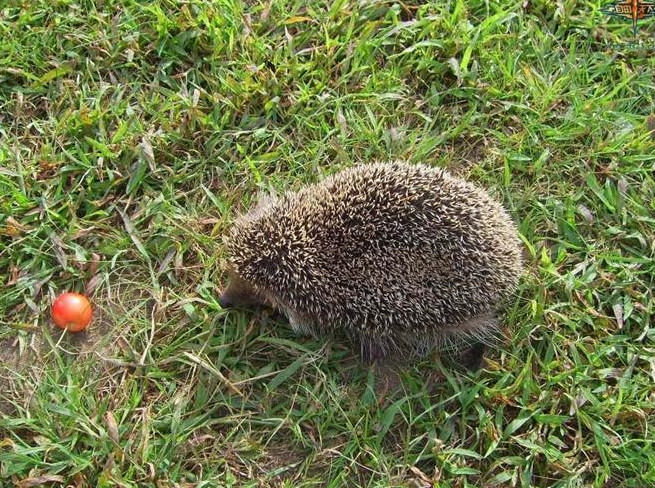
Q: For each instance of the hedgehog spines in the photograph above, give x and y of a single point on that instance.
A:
(394, 255)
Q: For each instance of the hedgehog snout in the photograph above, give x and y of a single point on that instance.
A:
(240, 293)
(224, 300)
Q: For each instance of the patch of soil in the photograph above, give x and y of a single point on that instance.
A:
(25, 357)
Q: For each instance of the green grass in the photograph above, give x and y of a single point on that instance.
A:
(132, 133)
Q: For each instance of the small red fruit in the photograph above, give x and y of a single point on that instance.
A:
(72, 312)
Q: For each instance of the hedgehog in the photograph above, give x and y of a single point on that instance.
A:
(401, 259)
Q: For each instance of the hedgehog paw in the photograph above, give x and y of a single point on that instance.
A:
(471, 357)
(372, 353)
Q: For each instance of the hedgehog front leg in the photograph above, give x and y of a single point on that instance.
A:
(371, 353)
(472, 357)
(373, 348)
(471, 337)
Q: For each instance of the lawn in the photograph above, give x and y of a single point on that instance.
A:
(131, 135)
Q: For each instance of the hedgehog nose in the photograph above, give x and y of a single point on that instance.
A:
(224, 301)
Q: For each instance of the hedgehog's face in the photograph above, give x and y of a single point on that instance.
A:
(240, 293)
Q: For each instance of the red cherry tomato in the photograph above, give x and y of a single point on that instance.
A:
(72, 312)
